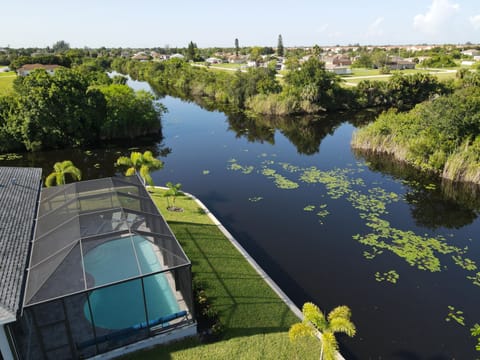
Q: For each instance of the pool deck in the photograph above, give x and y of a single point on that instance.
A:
(251, 261)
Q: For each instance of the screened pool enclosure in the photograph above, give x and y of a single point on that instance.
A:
(105, 271)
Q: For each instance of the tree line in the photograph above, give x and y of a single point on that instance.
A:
(307, 88)
(74, 107)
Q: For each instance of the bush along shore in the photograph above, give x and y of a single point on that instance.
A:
(441, 135)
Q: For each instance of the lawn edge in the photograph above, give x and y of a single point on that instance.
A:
(291, 305)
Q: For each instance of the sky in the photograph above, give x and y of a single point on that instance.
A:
(174, 23)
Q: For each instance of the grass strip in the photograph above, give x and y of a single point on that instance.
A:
(256, 320)
(6, 82)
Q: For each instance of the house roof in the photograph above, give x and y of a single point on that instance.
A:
(19, 193)
(29, 67)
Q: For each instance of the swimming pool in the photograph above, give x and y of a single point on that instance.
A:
(121, 306)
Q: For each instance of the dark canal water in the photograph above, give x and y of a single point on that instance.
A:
(328, 225)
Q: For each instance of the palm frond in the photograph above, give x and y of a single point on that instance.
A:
(343, 325)
(330, 346)
(312, 314)
(299, 330)
(51, 179)
(130, 171)
(74, 172)
(124, 161)
(340, 312)
(152, 162)
(136, 158)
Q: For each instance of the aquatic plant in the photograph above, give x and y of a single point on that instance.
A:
(206, 172)
(237, 167)
(323, 211)
(455, 315)
(309, 208)
(283, 183)
(289, 167)
(280, 181)
(475, 331)
(390, 276)
(371, 255)
(255, 199)
(466, 263)
(419, 251)
(10, 156)
(475, 279)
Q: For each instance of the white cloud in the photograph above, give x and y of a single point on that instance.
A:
(436, 16)
(475, 21)
(375, 28)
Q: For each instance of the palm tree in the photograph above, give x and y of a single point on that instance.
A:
(315, 324)
(59, 171)
(173, 191)
(141, 164)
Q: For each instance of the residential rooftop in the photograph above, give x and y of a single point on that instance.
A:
(19, 194)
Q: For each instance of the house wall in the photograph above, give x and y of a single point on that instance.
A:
(4, 345)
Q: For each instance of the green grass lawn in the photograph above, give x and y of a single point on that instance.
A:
(256, 320)
(6, 82)
(228, 65)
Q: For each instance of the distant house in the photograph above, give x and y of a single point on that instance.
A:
(177, 56)
(341, 60)
(141, 56)
(399, 63)
(213, 60)
(28, 68)
(339, 70)
(234, 59)
(471, 52)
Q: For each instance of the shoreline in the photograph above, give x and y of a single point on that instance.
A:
(265, 277)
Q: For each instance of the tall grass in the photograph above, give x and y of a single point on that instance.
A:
(442, 136)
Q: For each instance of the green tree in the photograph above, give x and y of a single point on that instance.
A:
(173, 191)
(192, 52)
(315, 324)
(363, 61)
(60, 46)
(129, 113)
(140, 164)
(280, 49)
(237, 47)
(317, 50)
(57, 111)
(256, 53)
(60, 169)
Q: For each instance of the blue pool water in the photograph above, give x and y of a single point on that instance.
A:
(121, 306)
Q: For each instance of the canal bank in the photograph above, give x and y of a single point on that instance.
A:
(256, 315)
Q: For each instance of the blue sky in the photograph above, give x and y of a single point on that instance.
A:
(156, 23)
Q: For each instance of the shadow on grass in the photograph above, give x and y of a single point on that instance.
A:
(246, 304)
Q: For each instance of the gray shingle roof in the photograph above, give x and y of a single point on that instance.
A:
(19, 193)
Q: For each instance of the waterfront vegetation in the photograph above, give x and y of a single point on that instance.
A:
(442, 135)
(305, 89)
(73, 108)
(315, 324)
(255, 321)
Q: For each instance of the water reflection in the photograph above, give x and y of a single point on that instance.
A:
(433, 203)
(94, 163)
